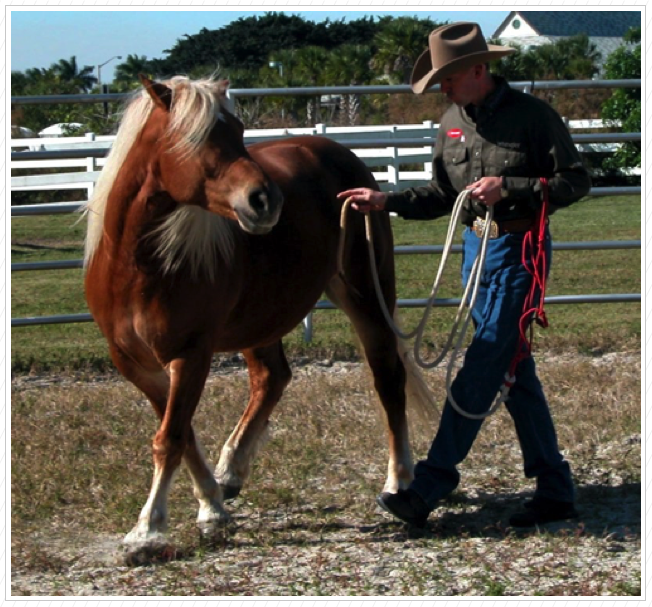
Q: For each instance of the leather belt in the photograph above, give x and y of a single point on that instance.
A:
(500, 228)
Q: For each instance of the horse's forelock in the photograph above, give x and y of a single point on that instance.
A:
(196, 106)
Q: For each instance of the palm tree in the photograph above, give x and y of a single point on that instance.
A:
(399, 44)
(310, 61)
(253, 110)
(349, 64)
(583, 57)
(524, 64)
(67, 70)
(127, 71)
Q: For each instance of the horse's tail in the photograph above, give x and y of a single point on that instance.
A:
(419, 396)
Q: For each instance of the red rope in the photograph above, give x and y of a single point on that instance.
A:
(534, 252)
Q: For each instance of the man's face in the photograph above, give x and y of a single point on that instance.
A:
(462, 87)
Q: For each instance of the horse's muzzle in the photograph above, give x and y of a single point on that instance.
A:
(261, 209)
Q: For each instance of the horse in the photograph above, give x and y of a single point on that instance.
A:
(197, 244)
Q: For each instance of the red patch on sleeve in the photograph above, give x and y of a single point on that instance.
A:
(454, 133)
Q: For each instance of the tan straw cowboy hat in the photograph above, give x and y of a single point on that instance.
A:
(453, 48)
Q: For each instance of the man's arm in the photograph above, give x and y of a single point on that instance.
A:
(568, 179)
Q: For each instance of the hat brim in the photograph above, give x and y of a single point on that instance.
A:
(424, 75)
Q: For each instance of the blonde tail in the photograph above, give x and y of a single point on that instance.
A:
(419, 396)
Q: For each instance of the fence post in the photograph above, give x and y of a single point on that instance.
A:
(393, 167)
(91, 166)
(427, 166)
(307, 328)
(230, 101)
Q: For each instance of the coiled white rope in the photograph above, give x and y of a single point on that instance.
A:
(472, 286)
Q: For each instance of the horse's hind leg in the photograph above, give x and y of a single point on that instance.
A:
(269, 374)
(382, 354)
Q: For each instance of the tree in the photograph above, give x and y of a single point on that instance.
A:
(349, 65)
(127, 72)
(399, 43)
(521, 65)
(581, 58)
(624, 106)
(247, 42)
(566, 59)
(67, 70)
(256, 112)
(310, 72)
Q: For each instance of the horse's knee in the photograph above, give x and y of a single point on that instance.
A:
(168, 449)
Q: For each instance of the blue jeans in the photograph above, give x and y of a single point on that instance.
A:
(498, 307)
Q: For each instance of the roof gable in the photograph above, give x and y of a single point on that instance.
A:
(571, 23)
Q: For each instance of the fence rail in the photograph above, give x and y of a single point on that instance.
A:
(234, 94)
(379, 146)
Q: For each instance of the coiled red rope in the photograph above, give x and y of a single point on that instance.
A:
(533, 257)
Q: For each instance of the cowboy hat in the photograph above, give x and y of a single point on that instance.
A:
(453, 48)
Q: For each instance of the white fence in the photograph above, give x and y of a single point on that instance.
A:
(387, 150)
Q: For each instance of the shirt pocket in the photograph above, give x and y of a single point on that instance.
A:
(510, 162)
(456, 162)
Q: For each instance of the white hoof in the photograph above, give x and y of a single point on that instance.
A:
(142, 550)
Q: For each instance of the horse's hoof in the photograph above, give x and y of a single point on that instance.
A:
(148, 552)
(216, 532)
(230, 492)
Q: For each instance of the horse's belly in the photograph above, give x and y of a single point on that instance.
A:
(265, 321)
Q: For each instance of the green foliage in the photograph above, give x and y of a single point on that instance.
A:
(248, 42)
(399, 43)
(67, 70)
(61, 78)
(305, 53)
(128, 71)
(567, 59)
(624, 106)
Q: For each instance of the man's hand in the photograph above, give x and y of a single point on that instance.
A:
(486, 190)
(365, 199)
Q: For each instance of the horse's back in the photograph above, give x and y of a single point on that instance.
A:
(317, 162)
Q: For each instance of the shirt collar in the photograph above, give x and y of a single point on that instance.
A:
(490, 102)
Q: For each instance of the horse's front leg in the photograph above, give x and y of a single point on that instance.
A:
(269, 374)
(173, 441)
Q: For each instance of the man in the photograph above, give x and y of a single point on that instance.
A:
(498, 143)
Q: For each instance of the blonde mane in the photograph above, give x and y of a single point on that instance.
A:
(188, 234)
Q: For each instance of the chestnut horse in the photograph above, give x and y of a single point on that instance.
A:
(198, 245)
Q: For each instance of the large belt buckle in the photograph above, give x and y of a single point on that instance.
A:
(480, 225)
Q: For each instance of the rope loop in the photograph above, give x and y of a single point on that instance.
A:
(533, 252)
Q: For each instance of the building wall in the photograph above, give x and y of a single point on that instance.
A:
(510, 31)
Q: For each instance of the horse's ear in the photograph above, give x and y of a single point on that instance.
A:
(223, 86)
(161, 95)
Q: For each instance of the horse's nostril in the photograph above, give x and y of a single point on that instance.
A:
(258, 200)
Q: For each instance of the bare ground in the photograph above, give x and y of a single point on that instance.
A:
(328, 538)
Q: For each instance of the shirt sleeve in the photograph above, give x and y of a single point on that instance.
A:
(430, 201)
(568, 179)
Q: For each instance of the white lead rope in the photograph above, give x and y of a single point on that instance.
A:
(473, 283)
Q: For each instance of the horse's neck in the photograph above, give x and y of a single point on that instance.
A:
(127, 209)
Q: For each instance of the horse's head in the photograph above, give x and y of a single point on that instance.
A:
(201, 157)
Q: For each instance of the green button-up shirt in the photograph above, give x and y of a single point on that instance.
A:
(512, 135)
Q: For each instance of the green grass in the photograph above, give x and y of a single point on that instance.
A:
(583, 327)
(310, 498)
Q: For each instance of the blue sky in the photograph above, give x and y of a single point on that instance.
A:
(43, 36)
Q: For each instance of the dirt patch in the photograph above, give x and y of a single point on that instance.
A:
(311, 528)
